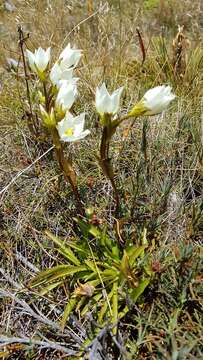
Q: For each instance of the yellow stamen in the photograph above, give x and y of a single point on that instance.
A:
(69, 132)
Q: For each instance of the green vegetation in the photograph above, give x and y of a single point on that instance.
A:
(100, 285)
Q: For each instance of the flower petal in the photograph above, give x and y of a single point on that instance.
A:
(115, 100)
(55, 74)
(41, 59)
(66, 95)
(31, 59)
(106, 103)
(76, 124)
(157, 99)
(69, 57)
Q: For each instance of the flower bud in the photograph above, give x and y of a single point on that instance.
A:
(154, 101)
(49, 120)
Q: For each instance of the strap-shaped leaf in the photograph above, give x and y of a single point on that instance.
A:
(134, 252)
(123, 312)
(69, 243)
(91, 304)
(56, 272)
(68, 309)
(64, 250)
(103, 311)
(81, 303)
(135, 294)
(91, 265)
(125, 266)
(115, 307)
(110, 273)
(50, 287)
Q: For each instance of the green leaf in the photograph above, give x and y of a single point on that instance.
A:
(134, 252)
(91, 305)
(105, 240)
(67, 253)
(144, 240)
(90, 276)
(95, 282)
(88, 228)
(76, 247)
(135, 294)
(115, 252)
(125, 268)
(81, 302)
(110, 273)
(103, 310)
(55, 273)
(71, 244)
(115, 307)
(148, 270)
(91, 265)
(50, 287)
(68, 309)
(123, 312)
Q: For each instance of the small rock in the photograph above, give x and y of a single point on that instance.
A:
(9, 6)
(2, 28)
(12, 64)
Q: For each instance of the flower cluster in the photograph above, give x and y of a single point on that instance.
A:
(56, 114)
(59, 92)
(64, 89)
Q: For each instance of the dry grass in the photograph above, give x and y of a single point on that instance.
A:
(160, 177)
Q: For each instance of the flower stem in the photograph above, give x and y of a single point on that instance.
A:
(105, 162)
(31, 119)
(67, 169)
(46, 96)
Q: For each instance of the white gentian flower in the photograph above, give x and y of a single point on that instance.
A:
(154, 101)
(157, 99)
(72, 128)
(69, 57)
(64, 82)
(106, 103)
(66, 95)
(57, 75)
(38, 60)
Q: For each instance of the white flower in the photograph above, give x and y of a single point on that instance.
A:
(157, 99)
(63, 68)
(72, 128)
(38, 60)
(57, 75)
(66, 95)
(69, 57)
(106, 103)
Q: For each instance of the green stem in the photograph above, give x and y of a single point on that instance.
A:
(115, 307)
(105, 162)
(46, 97)
(32, 122)
(67, 169)
(118, 121)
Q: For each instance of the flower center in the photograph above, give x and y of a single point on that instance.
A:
(69, 132)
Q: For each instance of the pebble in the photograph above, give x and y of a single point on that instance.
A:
(9, 6)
